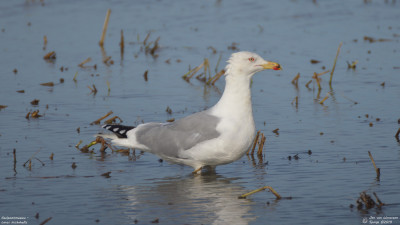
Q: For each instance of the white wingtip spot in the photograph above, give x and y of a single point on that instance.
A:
(115, 129)
(122, 131)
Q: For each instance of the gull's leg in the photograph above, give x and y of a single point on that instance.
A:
(198, 170)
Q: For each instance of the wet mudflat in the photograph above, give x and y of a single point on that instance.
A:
(317, 139)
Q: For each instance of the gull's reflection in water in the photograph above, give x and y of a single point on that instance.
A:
(206, 199)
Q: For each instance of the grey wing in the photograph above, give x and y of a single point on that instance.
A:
(168, 139)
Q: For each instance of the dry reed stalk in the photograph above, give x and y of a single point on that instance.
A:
(308, 83)
(296, 101)
(113, 120)
(397, 134)
(155, 46)
(15, 156)
(30, 159)
(48, 84)
(295, 80)
(93, 90)
(101, 118)
(377, 170)
(50, 55)
(122, 43)
(44, 42)
(261, 145)
(254, 143)
(378, 200)
(145, 75)
(108, 87)
(317, 79)
(322, 73)
(76, 74)
(45, 221)
(215, 78)
(261, 189)
(324, 99)
(146, 38)
(84, 62)
(103, 34)
(219, 60)
(79, 143)
(106, 59)
(192, 72)
(334, 63)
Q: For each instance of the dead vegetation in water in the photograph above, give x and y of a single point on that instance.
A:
(377, 170)
(29, 161)
(397, 135)
(365, 202)
(373, 40)
(105, 25)
(259, 140)
(50, 57)
(104, 145)
(48, 84)
(45, 221)
(208, 80)
(93, 89)
(101, 118)
(33, 115)
(278, 196)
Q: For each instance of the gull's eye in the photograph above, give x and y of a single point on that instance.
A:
(252, 59)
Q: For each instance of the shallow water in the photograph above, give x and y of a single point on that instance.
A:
(141, 189)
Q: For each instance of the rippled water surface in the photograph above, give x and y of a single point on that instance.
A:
(360, 115)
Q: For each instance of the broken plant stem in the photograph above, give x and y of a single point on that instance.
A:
(295, 80)
(334, 64)
(377, 170)
(261, 145)
(254, 143)
(101, 118)
(84, 62)
(30, 159)
(103, 34)
(324, 99)
(261, 189)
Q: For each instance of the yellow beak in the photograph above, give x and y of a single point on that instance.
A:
(271, 66)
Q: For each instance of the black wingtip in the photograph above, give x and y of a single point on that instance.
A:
(118, 130)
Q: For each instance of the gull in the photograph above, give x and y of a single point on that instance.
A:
(219, 135)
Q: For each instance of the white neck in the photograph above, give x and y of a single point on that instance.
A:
(236, 99)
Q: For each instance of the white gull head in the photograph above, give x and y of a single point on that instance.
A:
(248, 63)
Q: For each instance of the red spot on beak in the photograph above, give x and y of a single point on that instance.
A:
(278, 67)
